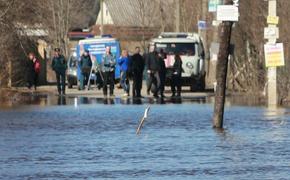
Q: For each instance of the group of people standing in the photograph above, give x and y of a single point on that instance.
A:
(59, 65)
(131, 68)
(156, 71)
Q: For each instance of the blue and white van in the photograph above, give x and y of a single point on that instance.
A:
(97, 47)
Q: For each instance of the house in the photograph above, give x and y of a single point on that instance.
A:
(120, 13)
(127, 20)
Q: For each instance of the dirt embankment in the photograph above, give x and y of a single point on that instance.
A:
(19, 96)
(9, 95)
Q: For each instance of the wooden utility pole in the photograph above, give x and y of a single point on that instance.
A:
(102, 17)
(221, 72)
(272, 71)
(203, 33)
(177, 16)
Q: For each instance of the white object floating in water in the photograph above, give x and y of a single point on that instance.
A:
(146, 112)
(142, 120)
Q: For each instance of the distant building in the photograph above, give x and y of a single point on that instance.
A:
(120, 13)
(122, 19)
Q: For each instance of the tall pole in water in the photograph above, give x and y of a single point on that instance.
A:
(272, 71)
(177, 16)
(102, 17)
(203, 33)
(222, 68)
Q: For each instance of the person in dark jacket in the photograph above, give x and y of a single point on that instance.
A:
(30, 72)
(162, 72)
(59, 65)
(176, 76)
(108, 69)
(85, 66)
(33, 67)
(138, 64)
(147, 77)
(153, 68)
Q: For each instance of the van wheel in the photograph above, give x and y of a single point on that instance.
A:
(69, 85)
(197, 84)
(202, 86)
(193, 86)
(202, 83)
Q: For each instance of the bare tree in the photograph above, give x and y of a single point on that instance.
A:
(18, 17)
(165, 15)
(148, 16)
(190, 14)
(11, 42)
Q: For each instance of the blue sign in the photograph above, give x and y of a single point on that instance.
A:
(202, 25)
(98, 49)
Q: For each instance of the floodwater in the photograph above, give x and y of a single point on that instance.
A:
(90, 138)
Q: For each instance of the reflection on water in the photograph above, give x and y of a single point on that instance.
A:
(61, 100)
(246, 100)
(51, 100)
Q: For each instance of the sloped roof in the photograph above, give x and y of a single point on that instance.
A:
(124, 12)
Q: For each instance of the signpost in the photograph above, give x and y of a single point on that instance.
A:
(227, 13)
(222, 62)
(273, 53)
(273, 20)
(271, 33)
(202, 25)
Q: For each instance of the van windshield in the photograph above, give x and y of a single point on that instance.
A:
(73, 62)
(173, 48)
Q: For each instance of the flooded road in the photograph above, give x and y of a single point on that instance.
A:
(87, 138)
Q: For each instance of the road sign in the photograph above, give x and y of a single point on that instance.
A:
(227, 13)
(271, 33)
(274, 55)
(273, 20)
(202, 25)
(212, 5)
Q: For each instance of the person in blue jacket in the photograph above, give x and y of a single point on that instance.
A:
(85, 66)
(123, 62)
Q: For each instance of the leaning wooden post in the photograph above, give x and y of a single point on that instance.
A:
(221, 71)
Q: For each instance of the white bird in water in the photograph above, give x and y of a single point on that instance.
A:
(142, 120)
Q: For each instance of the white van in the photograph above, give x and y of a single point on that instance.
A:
(190, 48)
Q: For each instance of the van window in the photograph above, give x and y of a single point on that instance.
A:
(180, 48)
(73, 61)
